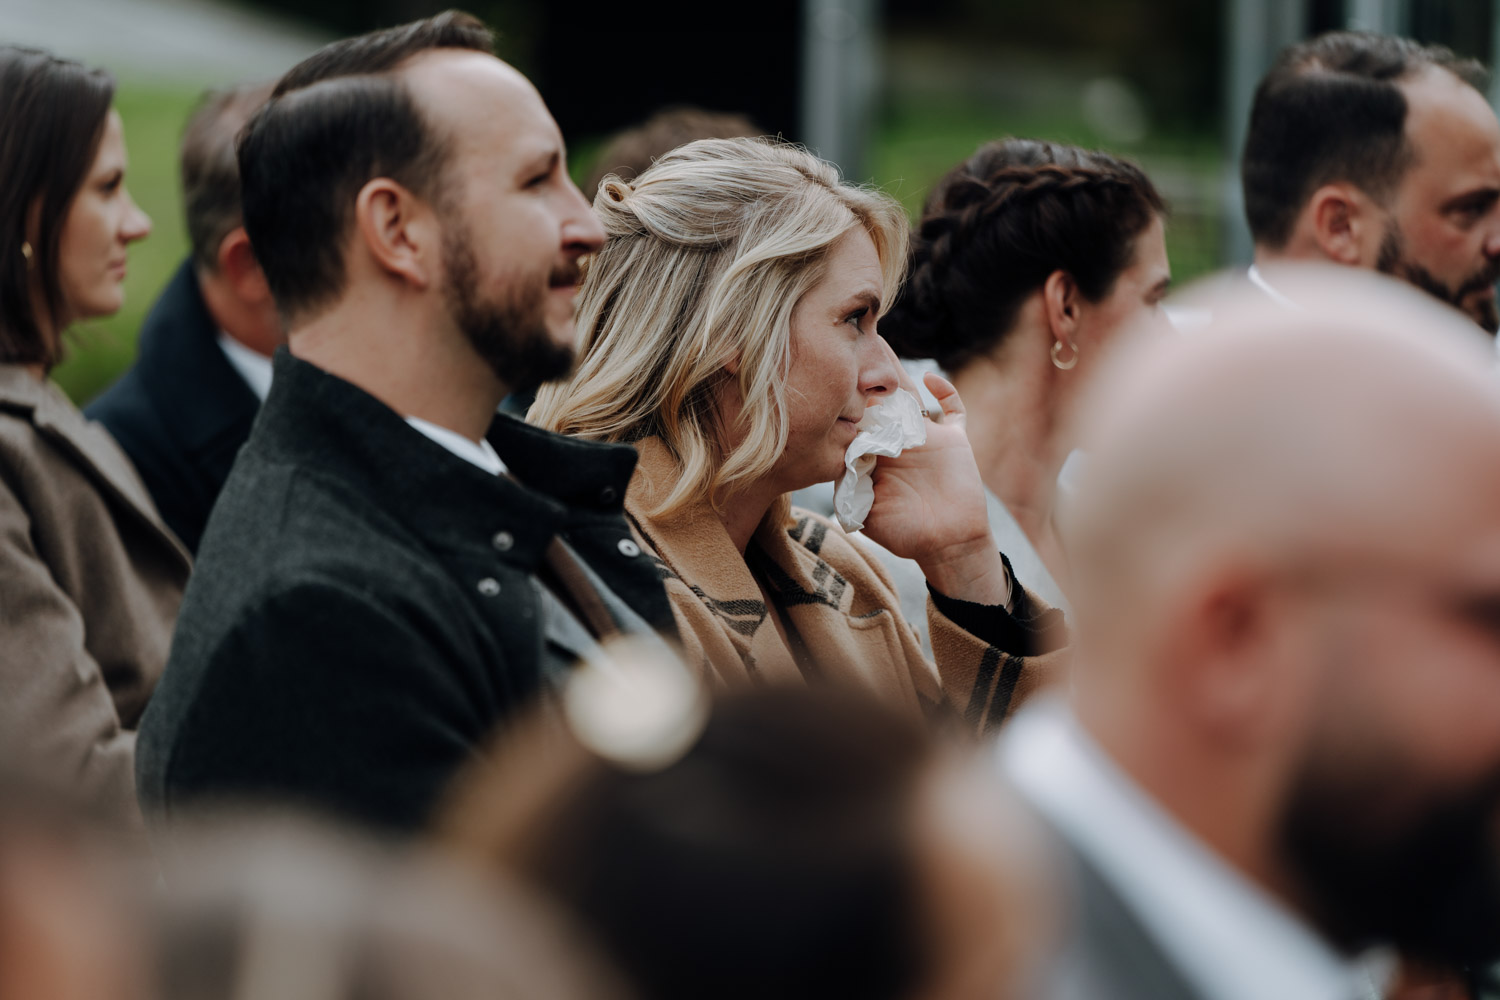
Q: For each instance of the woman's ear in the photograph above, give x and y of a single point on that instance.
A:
(1060, 304)
(732, 365)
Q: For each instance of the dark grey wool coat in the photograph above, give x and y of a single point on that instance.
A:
(363, 613)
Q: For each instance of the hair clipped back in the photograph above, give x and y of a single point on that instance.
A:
(1331, 110)
(998, 225)
(705, 257)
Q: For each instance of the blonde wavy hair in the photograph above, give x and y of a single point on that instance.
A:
(706, 255)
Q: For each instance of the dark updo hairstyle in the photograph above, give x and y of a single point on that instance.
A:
(52, 115)
(997, 225)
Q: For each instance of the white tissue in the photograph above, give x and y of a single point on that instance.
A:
(890, 426)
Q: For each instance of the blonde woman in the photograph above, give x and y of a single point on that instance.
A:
(728, 330)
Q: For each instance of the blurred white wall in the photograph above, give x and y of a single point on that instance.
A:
(198, 41)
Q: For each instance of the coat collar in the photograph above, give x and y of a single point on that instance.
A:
(332, 426)
(55, 417)
(200, 397)
(814, 598)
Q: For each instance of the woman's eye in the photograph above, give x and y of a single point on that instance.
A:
(112, 183)
(857, 317)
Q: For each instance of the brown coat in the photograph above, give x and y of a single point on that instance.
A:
(838, 607)
(90, 580)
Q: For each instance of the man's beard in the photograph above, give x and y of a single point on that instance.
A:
(1431, 888)
(1392, 261)
(509, 333)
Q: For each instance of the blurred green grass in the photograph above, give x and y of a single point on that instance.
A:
(914, 143)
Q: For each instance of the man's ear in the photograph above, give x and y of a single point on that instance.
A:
(237, 263)
(1061, 302)
(1346, 224)
(399, 230)
(1226, 653)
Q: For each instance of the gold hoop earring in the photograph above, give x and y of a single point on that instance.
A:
(26, 252)
(1057, 356)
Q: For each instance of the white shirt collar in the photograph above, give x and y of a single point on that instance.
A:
(253, 367)
(1229, 937)
(480, 453)
(1259, 281)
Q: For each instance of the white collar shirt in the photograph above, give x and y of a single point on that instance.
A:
(1259, 281)
(1228, 937)
(253, 367)
(480, 453)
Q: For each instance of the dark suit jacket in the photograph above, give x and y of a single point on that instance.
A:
(364, 610)
(182, 412)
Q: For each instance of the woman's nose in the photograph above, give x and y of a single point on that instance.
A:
(880, 372)
(137, 223)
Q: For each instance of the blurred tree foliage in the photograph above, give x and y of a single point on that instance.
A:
(517, 21)
(1170, 49)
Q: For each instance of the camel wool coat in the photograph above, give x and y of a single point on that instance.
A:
(838, 608)
(90, 581)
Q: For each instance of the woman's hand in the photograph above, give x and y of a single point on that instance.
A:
(929, 506)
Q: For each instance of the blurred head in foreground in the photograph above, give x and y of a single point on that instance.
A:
(810, 843)
(65, 903)
(631, 152)
(261, 908)
(1287, 586)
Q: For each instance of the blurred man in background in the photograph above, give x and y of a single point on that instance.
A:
(1282, 744)
(1377, 152)
(632, 151)
(204, 365)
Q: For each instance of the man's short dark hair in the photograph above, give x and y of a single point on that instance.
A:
(210, 169)
(333, 124)
(384, 50)
(1330, 110)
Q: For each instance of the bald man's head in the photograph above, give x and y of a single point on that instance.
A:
(1286, 561)
(1285, 439)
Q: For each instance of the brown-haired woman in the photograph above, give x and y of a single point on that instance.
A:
(90, 578)
(1029, 258)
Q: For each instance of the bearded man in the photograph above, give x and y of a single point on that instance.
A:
(1381, 153)
(383, 581)
(1280, 749)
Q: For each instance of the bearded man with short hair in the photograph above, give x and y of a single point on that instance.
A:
(377, 589)
(1381, 153)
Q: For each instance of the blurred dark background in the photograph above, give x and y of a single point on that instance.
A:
(894, 91)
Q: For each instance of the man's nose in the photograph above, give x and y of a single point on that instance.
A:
(582, 231)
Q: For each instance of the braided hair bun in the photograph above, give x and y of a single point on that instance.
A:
(997, 226)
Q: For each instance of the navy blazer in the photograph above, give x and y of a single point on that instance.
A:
(182, 412)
